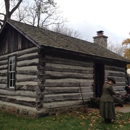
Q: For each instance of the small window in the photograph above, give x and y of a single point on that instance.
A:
(11, 71)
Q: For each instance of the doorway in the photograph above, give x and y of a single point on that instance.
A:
(99, 79)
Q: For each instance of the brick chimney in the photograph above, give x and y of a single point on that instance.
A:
(100, 39)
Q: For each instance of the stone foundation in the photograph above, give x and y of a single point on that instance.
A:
(18, 109)
(32, 112)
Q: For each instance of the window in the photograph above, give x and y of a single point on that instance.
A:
(11, 71)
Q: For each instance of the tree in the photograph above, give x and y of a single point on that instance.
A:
(127, 49)
(40, 13)
(9, 11)
(63, 29)
(41, 10)
(117, 48)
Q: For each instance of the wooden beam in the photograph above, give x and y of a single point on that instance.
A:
(61, 75)
(3, 86)
(67, 82)
(57, 90)
(68, 66)
(18, 93)
(4, 62)
(27, 72)
(33, 62)
(19, 53)
(114, 68)
(33, 68)
(26, 83)
(51, 68)
(64, 61)
(23, 76)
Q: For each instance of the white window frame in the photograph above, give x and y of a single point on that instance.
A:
(11, 71)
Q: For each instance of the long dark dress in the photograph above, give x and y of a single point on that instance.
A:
(107, 109)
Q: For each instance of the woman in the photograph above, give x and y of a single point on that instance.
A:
(107, 109)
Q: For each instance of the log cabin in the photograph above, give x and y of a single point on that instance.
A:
(43, 72)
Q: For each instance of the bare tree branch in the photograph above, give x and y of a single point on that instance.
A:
(2, 14)
(18, 4)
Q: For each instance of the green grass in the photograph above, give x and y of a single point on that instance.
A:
(76, 120)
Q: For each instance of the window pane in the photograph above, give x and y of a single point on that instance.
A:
(13, 75)
(11, 71)
(13, 67)
(10, 61)
(10, 67)
(10, 83)
(13, 82)
(13, 59)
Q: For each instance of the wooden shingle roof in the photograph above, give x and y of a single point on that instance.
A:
(43, 37)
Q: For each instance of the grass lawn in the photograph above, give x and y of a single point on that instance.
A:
(76, 120)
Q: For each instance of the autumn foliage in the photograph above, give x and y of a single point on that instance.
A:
(126, 50)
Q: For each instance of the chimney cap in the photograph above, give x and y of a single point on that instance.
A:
(101, 32)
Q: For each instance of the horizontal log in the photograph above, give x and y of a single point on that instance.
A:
(27, 80)
(19, 100)
(67, 82)
(55, 90)
(3, 71)
(27, 72)
(4, 62)
(119, 79)
(63, 104)
(33, 62)
(19, 53)
(25, 103)
(27, 51)
(18, 93)
(3, 86)
(118, 83)
(61, 75)
(3, 58)
(3, 81)
(68, 66)
(28, 54)
(116, 74)
(26, 87)
(3, 74)
(28, 58)
(27, 64)
(115, 68)
(30, 68)
(3, 67)
(57, 60)
(65, 97)
(61, 97)
(23, 76)
(24, 109)
(26, 83)
(51, 68)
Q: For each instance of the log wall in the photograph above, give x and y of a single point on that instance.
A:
(64, 77)
(24, 92)
(119, 73)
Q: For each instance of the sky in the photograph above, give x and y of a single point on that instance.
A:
(90, 16)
